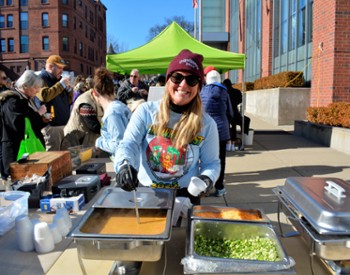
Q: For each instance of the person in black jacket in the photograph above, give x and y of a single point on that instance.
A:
(133, 90)
(236, 99)
(16, 105)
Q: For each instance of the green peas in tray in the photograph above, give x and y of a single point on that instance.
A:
(235, 241)
(254, 248)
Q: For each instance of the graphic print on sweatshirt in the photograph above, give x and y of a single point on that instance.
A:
(165, 161)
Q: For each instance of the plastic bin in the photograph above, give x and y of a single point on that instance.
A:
(12, 205)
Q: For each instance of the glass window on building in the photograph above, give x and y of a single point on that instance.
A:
(65, 20)
(2, 3)
(23, 3)
(45, 19)
(292, 49)
(75, 46)
(9, 2)
(45, 43)
(2, 21)
(65, 45)
(212, 16)
(253, 40)
(24, 20)
(44, 1)
(64, 2)
(9, 20)
(81, 48)
(24, 44)
(2, 45)
(11, 45)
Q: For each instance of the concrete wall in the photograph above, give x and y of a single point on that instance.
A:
(333, 137)
(278, 106)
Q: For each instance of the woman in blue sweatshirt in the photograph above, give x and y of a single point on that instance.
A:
(168, 142)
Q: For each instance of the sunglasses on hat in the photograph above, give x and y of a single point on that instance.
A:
(191, 80)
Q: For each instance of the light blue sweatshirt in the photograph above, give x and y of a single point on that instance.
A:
(114, 121)
(162, 165)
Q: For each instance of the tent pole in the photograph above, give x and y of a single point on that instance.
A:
(242, 110)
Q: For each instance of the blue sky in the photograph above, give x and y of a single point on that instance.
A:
(128, 22)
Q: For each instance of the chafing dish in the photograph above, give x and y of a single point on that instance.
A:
(319, 208)
(194, 263)
(109, 229)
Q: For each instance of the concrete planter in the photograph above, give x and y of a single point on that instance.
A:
(334, 137)
(278, 106)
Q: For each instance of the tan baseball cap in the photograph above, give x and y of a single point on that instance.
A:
(57, 60)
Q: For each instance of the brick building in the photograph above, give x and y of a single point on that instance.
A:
(30, 31)
(277, 36)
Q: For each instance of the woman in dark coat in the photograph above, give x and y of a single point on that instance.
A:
(16, 105)
(216, 103)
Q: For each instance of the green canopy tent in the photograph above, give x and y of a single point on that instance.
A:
(155, 56)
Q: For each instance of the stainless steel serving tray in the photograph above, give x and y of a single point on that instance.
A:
(197, 264)
(324, 202)
(146, 197)
(125, 247)
(222, 213)
(328, 247)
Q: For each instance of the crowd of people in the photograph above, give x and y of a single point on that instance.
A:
(159, 144)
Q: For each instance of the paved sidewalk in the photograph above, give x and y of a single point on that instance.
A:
(275, 155)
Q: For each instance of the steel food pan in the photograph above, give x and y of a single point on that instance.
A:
(147, 198)
(118, 250)
(328, 247)
(207, 212)
(324, 202)
(98, 236)
(198, 264)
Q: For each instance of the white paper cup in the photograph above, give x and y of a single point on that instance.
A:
(47, 115)
(196, 186)
(43, 239)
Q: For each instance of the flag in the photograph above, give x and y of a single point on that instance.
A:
(195, 4)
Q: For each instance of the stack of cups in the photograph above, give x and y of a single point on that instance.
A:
(61, 221)
(57, 237)
(63, 211)
(43, 238)
(24, 233)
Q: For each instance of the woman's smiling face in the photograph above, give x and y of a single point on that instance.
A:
(181, 93)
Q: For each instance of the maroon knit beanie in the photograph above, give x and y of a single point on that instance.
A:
(187, 61)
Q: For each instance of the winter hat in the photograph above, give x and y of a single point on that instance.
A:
(213, 76)
(187, 61)
(57, 60)
(208, 69)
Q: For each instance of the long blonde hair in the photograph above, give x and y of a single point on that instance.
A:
(189, 125)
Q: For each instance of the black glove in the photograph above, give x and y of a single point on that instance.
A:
(127, 178)
(208, 182)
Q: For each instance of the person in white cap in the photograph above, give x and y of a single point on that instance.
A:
(216, 103)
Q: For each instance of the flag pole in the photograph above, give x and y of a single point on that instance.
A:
(195, 23)
(200, 20)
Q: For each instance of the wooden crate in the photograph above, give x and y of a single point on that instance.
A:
(39, 162)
